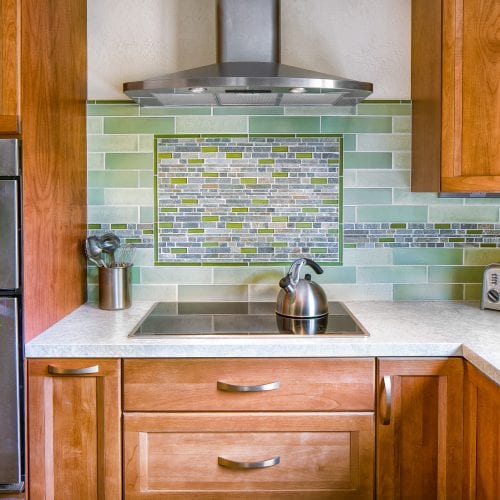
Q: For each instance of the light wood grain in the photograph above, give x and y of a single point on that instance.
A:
(467, 108)
(9, 66)
(305, 384)
(426, 94)
(323, 455)
(481, 436)
(419, 454)
(74, 431)
(53, 107)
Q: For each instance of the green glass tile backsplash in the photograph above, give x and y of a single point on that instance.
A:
(395, 244)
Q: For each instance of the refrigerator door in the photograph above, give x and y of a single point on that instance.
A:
(9, 157)
(10, 413)
(9, 242)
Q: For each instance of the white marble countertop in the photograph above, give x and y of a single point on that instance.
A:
(395, 328)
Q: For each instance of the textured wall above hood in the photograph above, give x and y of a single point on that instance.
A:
(248, 71)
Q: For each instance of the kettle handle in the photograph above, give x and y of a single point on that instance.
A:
(317, 268)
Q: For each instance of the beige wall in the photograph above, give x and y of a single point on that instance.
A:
(361, 39)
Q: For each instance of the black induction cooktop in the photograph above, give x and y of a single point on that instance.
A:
(235, 319)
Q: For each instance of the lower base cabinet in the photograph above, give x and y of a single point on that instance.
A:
(420, 428)
(249, 455)
(481, 436)
(74, 432)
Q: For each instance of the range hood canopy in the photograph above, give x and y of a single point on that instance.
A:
(248, 71)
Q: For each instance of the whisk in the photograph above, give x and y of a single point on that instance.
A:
(124, 256)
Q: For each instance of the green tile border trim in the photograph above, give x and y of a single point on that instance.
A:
(337, 166)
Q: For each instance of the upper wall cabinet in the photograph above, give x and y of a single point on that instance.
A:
(9, 91)
(456, 95)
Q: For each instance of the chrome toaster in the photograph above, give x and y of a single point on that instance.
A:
(490, 298)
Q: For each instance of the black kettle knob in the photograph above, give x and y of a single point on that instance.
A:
(317, 268)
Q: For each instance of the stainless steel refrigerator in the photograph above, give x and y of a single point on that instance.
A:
(11, 373)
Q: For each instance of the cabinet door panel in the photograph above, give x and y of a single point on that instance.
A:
(419, 445)
(74, 430)
(177, 455)
(9, 67)
(482, 436)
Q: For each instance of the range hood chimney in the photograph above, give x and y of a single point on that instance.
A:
(248, 70)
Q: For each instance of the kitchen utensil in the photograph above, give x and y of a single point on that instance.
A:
(124, 256)
(490, 298)
(301, 298)
(109, 243)
(94, 251)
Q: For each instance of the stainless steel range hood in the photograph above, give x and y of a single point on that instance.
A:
(248, 71)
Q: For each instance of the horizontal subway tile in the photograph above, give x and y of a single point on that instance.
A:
(319, 110)
(95, 161)
(481, 256)
(401, 124)
(146, 215)
(390, 274)
(392, 213)
(363, 291)
(146, 179)
(430, 291)
(144, 257)
(178, 275)
(463, 214)
(130, 161)
(175, 111)
(139, 196)
(368, 108)
(355, 124)
(383, 142)
(455, 274)
(367, 196)
(211, 125)
(248, 275)
(284, 124)
(95, 196)
(406, 197)
(349, 214)
(383, 178)
(263, 293)
(336, 274)
(429, 256)
(248, 110)
(108, 143)
(107, 214)
(139, 125)
(473, 291)
(146, 143)
(112, 109)
(211, 293)
(166, 293)
(113, 179)
(349, 142)
(367, 160)
(367, 256)
(401, 160)
(94, 125)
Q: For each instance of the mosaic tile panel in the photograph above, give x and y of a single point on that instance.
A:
(247, 199)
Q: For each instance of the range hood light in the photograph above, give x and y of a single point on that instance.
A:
(298, 90)
(198, 90)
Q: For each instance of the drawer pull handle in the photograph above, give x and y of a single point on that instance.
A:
(54, 370)
(387, 393)
(272, 386)
(261, 464)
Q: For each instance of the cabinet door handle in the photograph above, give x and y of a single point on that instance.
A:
(261, 464)
(386, 392)
(54, 370)
(272, 386)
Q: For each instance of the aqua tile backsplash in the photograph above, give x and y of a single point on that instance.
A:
(391, 244)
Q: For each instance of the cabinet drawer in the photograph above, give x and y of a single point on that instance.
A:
(319, 384)
(178, 455)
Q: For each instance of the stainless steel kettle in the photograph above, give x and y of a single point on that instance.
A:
(301, 298)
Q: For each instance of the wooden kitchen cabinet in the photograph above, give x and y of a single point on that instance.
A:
(183, 415)
(419, 428)
(9, 66)
(456, 95)
(74, 429)
(481, 436)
